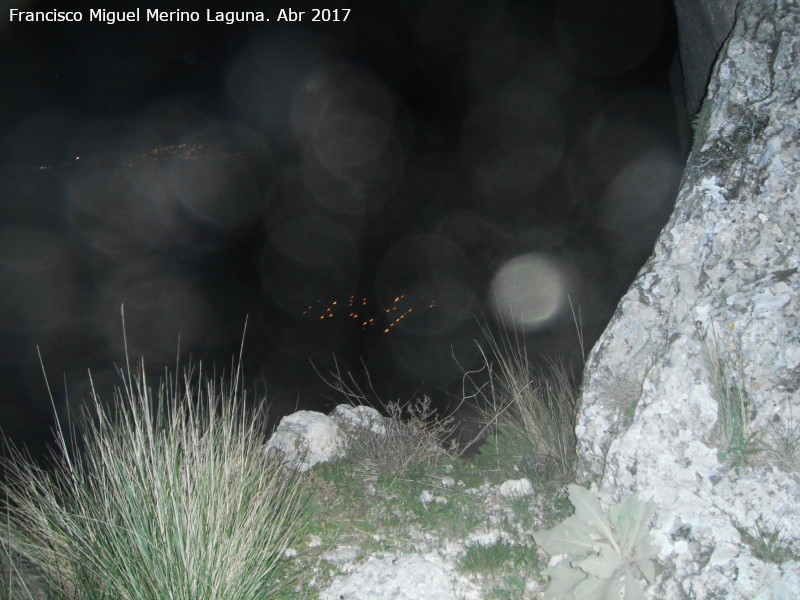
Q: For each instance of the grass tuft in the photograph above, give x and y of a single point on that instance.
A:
(783, 444)
(730, 390)
(771, 543)
(167, 496)
(530, 413)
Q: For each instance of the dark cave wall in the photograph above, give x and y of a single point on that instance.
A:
(703, 26)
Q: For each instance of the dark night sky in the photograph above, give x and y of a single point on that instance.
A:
(486, 158)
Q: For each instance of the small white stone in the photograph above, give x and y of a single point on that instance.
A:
(515, 488)
(425, 497)
(485, 539)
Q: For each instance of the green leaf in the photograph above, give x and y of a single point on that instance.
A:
(603, 546)
(602, 565)
(621, 521)
(633, 591)
(592, 588)
(563, 580)
(588, 509)
(634, 518)
(564, 539)
(582, 526)
(647, 568)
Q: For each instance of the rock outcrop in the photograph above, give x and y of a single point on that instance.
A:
(306, 438)
(723, 284)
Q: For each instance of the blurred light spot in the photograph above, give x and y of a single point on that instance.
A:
(346, 140)
(118, 211)
(606, 148)
(227, 186)
(502, 52)
(345, 120)
(37, 281)
(514, 141)
(638, 202)
(134, 191)
(611, 37)
(528, 291)
(264, 78)
(160, 311)
(314, 242)
(360, 191)
(344, 117)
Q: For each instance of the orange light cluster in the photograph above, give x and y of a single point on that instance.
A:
(332, 308)
(355, 307)
(186, 152)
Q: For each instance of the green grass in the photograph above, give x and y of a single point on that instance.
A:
(782, 445)
(492, 558)
(730, 390)
(505, 567)
(771, 542)
(168, 496)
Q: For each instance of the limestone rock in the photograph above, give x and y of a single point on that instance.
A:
(306, 438)
(404, 577)
(514, 488)
(359, 416)
(725, 269)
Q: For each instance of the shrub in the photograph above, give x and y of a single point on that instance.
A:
(410, 440)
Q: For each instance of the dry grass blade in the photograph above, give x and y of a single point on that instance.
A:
(533, 410)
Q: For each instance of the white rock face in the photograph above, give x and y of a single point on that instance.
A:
(408, 577)
(726, 266)
(306, 438)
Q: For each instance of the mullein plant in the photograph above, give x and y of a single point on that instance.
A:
(604, 553)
